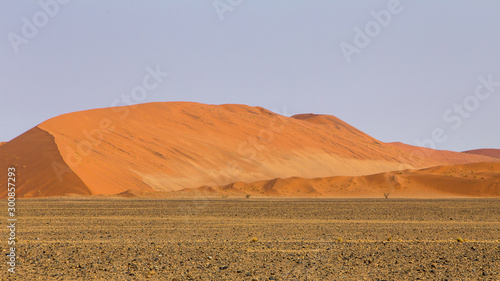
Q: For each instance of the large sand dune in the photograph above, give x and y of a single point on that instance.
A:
(173, 146)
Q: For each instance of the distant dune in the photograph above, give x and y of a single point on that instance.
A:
(174, 146)
(444, 156)
(485, 152)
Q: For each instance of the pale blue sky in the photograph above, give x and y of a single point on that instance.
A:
(277, 54)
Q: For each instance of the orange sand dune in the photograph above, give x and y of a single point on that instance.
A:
(469, 180)
(490, 152)
(178, 145)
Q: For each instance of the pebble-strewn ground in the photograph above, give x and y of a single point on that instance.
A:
(214, 239)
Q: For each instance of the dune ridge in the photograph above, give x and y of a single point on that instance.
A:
(174, 146)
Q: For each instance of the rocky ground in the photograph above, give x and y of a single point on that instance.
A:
(256, 239)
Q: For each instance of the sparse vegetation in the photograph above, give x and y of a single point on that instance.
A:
(247, 196)
(339, 240)
(386, 195)
(389, 239)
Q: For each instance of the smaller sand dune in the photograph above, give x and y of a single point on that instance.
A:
(131, 193)
(466, 180)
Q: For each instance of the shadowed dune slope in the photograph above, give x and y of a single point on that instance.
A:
(36, 158)
(177, 145)
(490, 152)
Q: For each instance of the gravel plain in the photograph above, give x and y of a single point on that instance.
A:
(256, 239)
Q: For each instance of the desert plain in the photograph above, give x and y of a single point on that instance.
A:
(89, 238)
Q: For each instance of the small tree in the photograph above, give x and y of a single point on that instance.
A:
(386, 195)
(247, 196)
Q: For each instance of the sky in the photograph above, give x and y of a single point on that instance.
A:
(420, 72)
